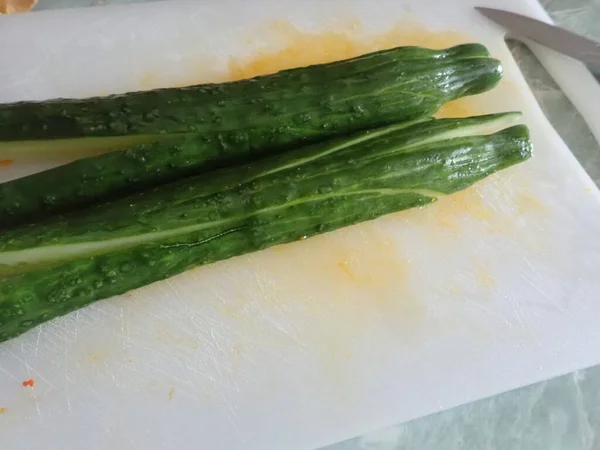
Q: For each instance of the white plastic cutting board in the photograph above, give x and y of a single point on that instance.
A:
(309, 343)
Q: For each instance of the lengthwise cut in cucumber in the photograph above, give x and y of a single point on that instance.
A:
(173, 133)
(67, 262)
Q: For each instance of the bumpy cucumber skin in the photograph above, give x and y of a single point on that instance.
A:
(248, 208)
(231, 123)
(399, 82)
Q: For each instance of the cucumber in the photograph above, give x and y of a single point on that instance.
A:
(407, 81)
(69, 261)
(167, 134)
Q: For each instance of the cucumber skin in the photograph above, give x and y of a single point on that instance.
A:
(314, 198)
(257, 117)
(317, 99)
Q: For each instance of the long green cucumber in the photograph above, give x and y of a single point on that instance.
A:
(171, 133)
(69, 261)
(383, 86)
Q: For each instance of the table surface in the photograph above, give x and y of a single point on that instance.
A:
(562, 413)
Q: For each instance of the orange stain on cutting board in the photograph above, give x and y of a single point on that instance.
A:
(6, 162)
(526, 203)
(98, 355)
(327, 294)
(333, 274)
(484, 277)
(448, 212)
(300, 48)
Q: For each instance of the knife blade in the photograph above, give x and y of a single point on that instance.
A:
(551, 36)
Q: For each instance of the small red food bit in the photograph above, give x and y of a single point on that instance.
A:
(29, 383)
(6, 162)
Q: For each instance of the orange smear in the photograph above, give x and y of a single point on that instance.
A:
(298, 49)
(29, 383)
(6, 162)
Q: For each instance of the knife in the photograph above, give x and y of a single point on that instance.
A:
(551, 36)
